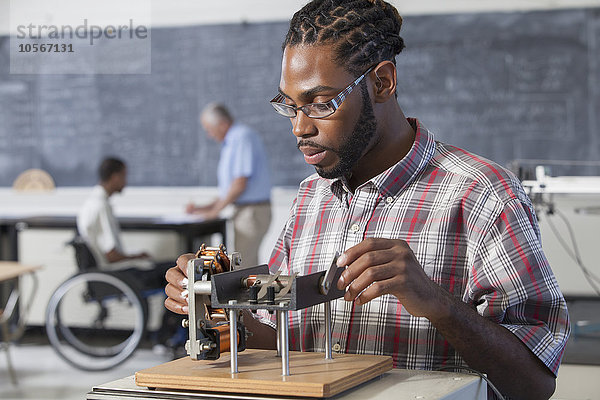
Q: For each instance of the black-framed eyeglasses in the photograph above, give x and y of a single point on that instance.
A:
(316, 110)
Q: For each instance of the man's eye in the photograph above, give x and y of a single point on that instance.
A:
(320, 107)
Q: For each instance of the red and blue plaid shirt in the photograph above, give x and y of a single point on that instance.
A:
(470, 225)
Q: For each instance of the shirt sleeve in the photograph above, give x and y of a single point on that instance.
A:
(242, 165)
(512, 284)
(106, 235)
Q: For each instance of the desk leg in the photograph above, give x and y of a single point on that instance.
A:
(13, 243)
(3, 242)
(6, 345)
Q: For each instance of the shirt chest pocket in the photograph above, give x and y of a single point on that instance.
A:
(443, 256)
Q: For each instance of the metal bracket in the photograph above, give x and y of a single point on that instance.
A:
(327, 281)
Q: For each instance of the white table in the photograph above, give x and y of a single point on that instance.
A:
(398, 384)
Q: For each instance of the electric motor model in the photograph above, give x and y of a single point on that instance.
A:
(208, 326)
(218, 288)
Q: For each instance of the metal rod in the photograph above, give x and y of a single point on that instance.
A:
(202, 287)
(278, 333)
(233, 338)
(193, 344)
(285, 348)
(328, 340)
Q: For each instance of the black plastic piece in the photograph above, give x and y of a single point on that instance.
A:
(253, 294)
(270, 295)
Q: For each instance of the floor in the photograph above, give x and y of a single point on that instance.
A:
(43, 375)
(578, 382)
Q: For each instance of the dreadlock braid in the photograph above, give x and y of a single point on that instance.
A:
(363, 32)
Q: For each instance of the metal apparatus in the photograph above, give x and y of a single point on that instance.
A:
(209, 327)
(215, 285)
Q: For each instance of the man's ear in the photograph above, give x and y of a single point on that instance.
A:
(384, 81)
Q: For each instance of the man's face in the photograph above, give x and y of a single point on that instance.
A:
(216, 130)
(120, 180)
(333, 145)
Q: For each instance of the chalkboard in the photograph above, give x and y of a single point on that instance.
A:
(503, 85)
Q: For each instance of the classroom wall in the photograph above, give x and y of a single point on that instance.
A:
(86, 115)
(502, 85)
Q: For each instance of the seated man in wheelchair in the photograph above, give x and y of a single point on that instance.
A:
(97, 224)
(100, 229)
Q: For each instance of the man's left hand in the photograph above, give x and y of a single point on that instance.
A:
(210, 214)
(388, 266)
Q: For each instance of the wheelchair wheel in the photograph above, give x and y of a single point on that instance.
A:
(96, 320)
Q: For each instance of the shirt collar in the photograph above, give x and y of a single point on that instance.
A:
(230, 133)
(395, 179)
(99, 191)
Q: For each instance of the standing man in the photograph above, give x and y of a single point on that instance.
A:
(444, 264)
(243, 178)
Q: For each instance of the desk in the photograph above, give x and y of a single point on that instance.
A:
(190, 229)
(398, 384)
(10, 270)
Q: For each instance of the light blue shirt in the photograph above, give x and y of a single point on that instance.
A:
(243, 155)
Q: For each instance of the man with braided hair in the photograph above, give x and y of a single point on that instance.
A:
(444, 265)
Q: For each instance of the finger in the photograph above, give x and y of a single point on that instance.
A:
(366, 260)
(377, 289)
(177, 294)
(370, 244)
(175, 277)
(182, 262)
(369, 277)
(176, 307)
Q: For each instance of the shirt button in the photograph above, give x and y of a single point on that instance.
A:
(336, 347)
(389, 200)
(354, 228)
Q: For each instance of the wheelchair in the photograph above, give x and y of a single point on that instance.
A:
(96, 319)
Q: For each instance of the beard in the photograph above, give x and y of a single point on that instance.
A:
(353, 148)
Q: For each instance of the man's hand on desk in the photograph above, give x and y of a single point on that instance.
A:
(190, 208)
(210, 211)
(211, 214)
(143, 254)
(116, 256)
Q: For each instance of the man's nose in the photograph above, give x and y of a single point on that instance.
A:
(303, 126)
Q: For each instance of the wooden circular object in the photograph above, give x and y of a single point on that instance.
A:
(34, 180)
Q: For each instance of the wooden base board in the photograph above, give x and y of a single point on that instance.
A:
(311, 375)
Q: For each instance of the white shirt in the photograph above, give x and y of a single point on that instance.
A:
(97, 224)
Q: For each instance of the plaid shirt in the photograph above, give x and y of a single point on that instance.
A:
(473, 230)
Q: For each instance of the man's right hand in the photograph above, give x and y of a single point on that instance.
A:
(190, 208)
(176, 300)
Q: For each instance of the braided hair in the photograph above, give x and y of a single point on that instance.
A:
(363, 32)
